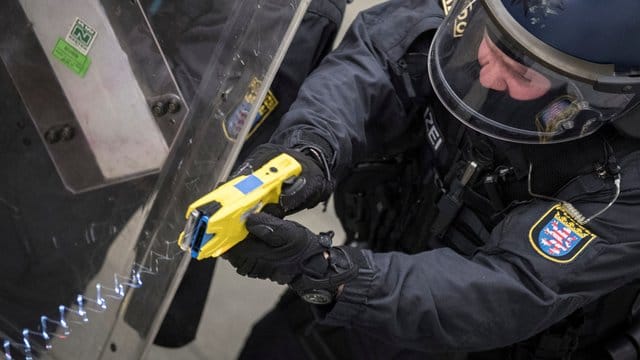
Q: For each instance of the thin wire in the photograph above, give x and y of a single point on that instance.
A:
(82, 311)
(572, 210)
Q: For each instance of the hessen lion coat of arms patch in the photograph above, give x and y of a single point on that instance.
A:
(558, 237)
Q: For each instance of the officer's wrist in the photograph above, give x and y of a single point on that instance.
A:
(342, 264)
(341, 286)
(319, 150)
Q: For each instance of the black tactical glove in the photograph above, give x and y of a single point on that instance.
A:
(288, 253)
(314, 184)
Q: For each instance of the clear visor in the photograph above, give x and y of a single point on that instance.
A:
(501, 91)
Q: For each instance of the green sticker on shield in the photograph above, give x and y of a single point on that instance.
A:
(71, 57)
(81, 36)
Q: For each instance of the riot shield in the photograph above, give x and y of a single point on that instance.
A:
(105, 141)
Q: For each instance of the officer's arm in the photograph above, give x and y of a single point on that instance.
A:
(507, 291)
(345, 101)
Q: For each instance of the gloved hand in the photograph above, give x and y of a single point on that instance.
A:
(309, 189)
(288, 253)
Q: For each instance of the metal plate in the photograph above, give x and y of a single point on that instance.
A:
(95, 118)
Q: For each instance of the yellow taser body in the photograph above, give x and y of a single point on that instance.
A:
(212, 234)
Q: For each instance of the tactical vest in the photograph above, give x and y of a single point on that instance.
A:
(429, 195)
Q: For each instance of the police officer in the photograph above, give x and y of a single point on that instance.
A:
(487, 177)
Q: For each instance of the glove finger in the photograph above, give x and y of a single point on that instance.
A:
(246, 267)
(262, 270)
(294, 195)
(260, 156)
(244, 169)
(274, 209)
(272, 230)
(306, 192)
(250, 246)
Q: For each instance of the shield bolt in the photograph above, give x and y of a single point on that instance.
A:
(52, 136)
(159, 109)
(67, 133)
(174, 106)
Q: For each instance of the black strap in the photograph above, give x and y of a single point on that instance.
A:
(612, 319)
(556, 343)
(468, 233)
(559, 346)
(317, 341)
(626, 346)
(622, 349)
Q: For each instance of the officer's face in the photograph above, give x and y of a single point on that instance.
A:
(494, 85)
(499, 72)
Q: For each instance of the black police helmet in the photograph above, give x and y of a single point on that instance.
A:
(538, 71)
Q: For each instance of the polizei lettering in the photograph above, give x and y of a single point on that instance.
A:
(433, 133)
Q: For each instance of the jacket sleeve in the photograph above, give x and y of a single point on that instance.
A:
(510, 289)
(349, 100)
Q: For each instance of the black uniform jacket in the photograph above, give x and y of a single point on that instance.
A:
(537, 266)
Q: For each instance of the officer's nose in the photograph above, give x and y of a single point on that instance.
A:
(501, 73)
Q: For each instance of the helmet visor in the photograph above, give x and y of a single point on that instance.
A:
(495, 87)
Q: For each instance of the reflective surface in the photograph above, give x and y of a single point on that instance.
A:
(88, 271)
(84, 99)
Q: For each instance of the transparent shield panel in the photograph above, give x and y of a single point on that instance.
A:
(90, 259)
(92, 80)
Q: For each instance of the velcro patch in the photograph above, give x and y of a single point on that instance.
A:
(558, 237)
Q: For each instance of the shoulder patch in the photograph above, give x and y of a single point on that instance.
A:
(234, 123)
(557, 237)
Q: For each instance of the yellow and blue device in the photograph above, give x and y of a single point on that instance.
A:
(216, 221)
